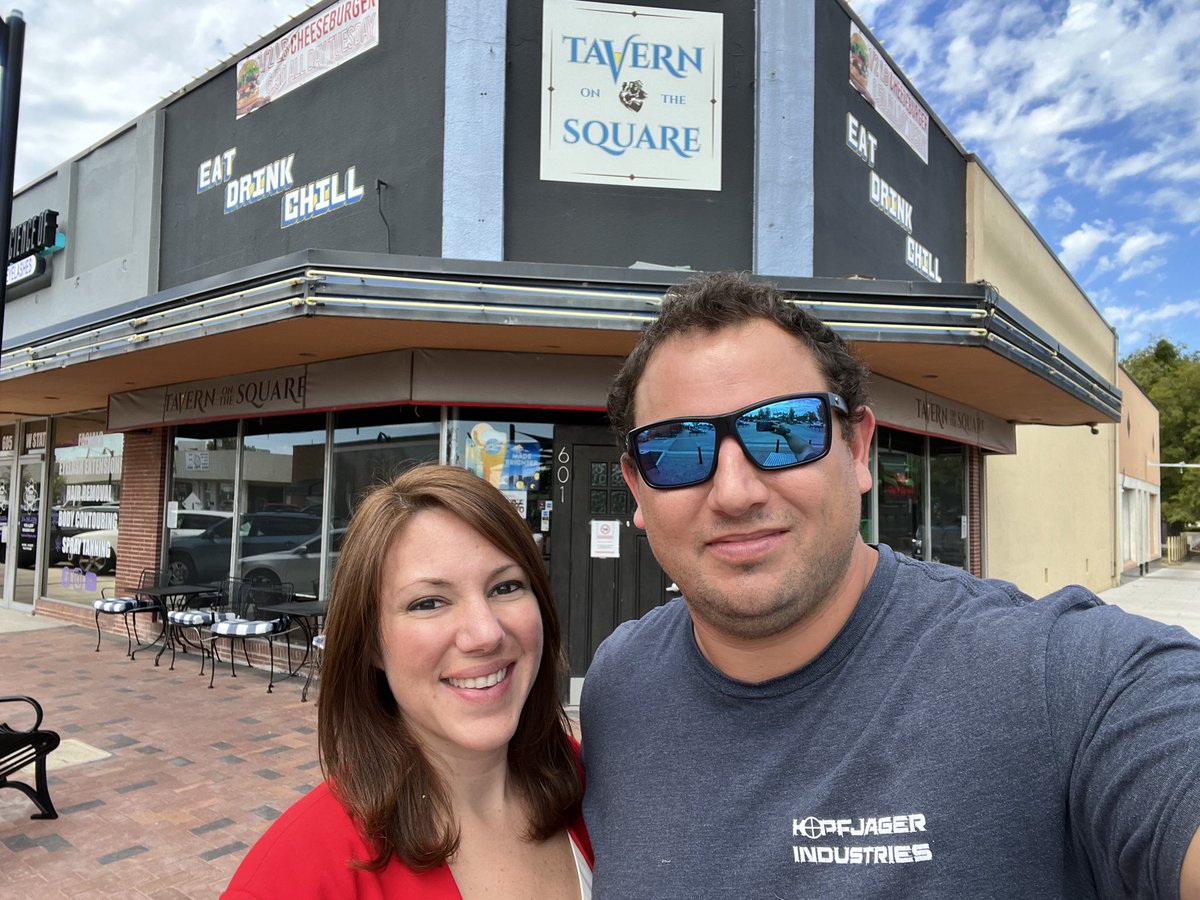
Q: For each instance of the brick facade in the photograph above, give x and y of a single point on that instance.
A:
(143, 492)
(974, 511)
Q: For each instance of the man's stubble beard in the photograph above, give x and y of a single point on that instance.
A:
(801, 594)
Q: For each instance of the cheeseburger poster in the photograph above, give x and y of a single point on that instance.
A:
(872, 77)
(308, 51)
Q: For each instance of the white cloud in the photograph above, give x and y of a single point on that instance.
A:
(1081, 245)
(1061, 209)
(1133, 323)
(1145, 267)
(1139, 242)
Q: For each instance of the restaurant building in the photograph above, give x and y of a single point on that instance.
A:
(394, 231)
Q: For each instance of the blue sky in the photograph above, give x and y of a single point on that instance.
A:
(1088, 114)
(1087, 111)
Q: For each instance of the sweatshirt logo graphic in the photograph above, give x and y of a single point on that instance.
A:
(867, 840)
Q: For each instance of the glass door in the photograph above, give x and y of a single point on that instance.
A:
(5, 487)
(948, 505)
(901, 491)
(29, 504)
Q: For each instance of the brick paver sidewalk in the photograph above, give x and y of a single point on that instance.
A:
(194, 778)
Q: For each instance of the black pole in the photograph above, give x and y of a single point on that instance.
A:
(12, 46)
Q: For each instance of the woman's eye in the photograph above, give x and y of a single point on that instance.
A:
(509, 587)
(425, 604)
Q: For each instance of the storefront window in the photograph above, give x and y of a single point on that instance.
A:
(85, 491)
(901, 468)
(281, 494)
(371, 446)
(200, 500)
(516, 457)
(947, 498)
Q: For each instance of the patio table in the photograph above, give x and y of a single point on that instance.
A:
(168, 597)
(307, 614)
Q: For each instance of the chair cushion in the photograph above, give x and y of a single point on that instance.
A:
(122, 604)
(190, 618)
(249, 627)
(319, 642)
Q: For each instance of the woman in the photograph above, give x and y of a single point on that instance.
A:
(449, 767)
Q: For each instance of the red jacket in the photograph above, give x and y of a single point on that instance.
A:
(304, 854)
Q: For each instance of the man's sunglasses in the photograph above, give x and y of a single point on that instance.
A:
(775, 434)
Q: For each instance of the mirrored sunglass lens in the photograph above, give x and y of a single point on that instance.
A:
(785, 433)
(675, 452)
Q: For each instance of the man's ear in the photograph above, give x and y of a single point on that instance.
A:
(860, 448)
(633, 480)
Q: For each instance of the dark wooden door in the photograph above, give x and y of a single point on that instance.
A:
(595, 595)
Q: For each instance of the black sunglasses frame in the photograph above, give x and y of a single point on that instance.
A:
(726, 425)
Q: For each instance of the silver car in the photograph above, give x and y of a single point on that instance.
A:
(299, 566)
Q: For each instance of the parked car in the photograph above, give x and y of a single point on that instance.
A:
(204, 557)
(299, 566)
(194, 521)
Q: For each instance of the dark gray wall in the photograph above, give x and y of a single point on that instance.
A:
(381, 112)
(850, 235)
(559, 222)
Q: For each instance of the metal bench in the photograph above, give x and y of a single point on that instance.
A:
(19, 748)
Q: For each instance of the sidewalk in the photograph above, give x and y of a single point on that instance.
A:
(162, 785)
(1170, 594)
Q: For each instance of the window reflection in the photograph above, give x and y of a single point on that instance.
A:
(200, 500)
(84, 517)
(517, 457)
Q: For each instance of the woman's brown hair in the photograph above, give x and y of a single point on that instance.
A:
(375, 765)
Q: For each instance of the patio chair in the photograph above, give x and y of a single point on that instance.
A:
(318, 653)
(128, 605)
(246, 625)
(214, 608)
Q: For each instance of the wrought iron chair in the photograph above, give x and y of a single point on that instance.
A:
(246, 625)
(318, 652)
(127, 605)
(213, 608)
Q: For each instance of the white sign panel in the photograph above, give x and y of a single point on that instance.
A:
(631, 95)
(606, 538)
(22, 269)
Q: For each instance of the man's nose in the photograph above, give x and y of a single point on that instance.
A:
(737, 484)
(479, 630)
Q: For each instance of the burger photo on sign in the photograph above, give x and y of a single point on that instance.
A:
(248, 97)
(860, 55)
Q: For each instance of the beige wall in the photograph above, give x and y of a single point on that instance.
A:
(1051, 510)
(1139, 478)
(1139, 432)
(1003, 249)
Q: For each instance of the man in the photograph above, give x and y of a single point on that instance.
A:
(821, 718)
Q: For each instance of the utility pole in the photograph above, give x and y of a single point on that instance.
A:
(12, 52)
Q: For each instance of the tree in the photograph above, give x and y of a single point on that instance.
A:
(1170, 376)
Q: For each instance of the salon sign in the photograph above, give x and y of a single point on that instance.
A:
(631, 95)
